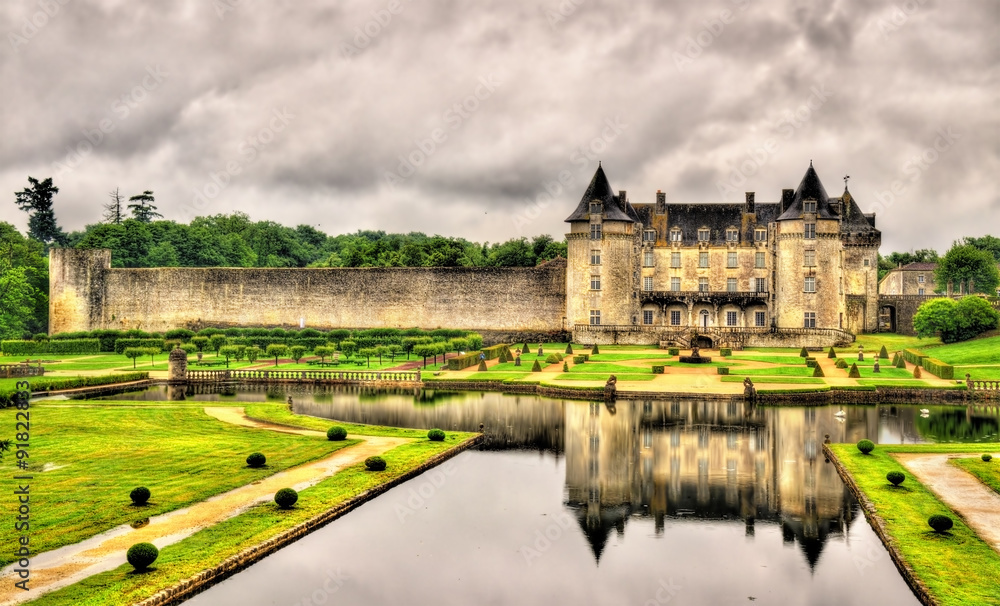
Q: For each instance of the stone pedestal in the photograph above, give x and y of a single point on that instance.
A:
(177, 366)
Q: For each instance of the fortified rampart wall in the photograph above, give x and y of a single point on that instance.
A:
(86, 294)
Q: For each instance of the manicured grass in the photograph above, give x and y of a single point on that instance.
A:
(619, 357)
(893, 342)
(583, 376)
(772, 349)
(777, 371)
(885, 372)
(597, 367)
(977, 351)
(211, 546)
(509, 366)
(768, 380)
(492, 376)
(796, 360)
(894, 383)
(979, 373)
(279, 413)
(182, 455)
(987, 473)
(958, 568)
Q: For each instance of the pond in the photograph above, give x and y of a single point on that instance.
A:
(646, 502)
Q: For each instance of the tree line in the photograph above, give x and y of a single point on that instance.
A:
(971, 264)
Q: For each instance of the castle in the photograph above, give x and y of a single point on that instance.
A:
(798, 272)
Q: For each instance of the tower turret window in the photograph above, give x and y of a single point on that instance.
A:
(595, 208)
(595, 231)
(810, 231)
(810, 320)
(595, 317)
(595, 282)
(809, 257)
(810, 284)
(595, 257)
(809, 206)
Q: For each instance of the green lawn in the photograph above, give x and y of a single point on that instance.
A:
(768, 380)
(584, 376)
(958, 568)
(796, 360)
(892, 342)
(619, 357)
(894, 383)
(977, 351)
(599, 367)
(979, 373)
(778, 371)
(987, 473)
(181, 454)
(211, 546)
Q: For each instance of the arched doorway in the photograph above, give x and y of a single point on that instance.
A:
(887, 318)
(703, 318)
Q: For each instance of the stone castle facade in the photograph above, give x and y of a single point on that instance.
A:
(803, 269)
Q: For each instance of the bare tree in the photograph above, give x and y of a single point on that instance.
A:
(113, 209)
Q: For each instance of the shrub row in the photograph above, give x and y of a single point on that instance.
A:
(67, 346)
(494, 351)
(937, 367)
(914, 356)
(461, 362)
(122, 344)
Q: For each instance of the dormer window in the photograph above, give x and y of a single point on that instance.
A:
(703, 234)
(649, 235)
(675, 235)
(809, 206)
(732, 234)
(760, 235)
(595, 208)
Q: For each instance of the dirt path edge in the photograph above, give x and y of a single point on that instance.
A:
(878, 524)
(191, 586)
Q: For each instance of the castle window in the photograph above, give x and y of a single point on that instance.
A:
(809, 206)
(675, 317)
(675, 235)
(595, 231)
(731, 259)
(760, 235)
(920, 278)
(648, 235)
(702, 284)
(810, 285)
(732, 235)
(703, 234)
(647, 258)
(595, 257)
(921, 291)
(730, 284)
(759, 317)
(866, 262)
(647, 283)
(759, 260)
(730, 318)
(675, 259)
(810, 320)
(595, 282)
(810, 233)
(703, 259)
(810, 258)
(675, 284)
(760, 284)
(647, 316)
(595, 208)
(595, 317)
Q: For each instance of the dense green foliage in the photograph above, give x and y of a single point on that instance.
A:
(336, 434)
(286, 497)
(53, 383)
(866, 446)
(139, 495)
(895, 259)
(141, 555)
(895, 477)
(24, 284)
(955, 320)
(435, 435)
(969, 269)
(36, 200)
(256, 459)
(375, 464)
(65, 346)
(940, 523)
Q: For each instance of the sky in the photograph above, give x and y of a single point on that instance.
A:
(486, 120)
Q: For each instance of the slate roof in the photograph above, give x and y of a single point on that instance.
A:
(810, 188)
(716, 217)
(599, 189)
(854, 220)
(919, 266)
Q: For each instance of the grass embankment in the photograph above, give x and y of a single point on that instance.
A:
(977, 351)
(958, 568)
(97, 455)
(986, 472)
(210, 547)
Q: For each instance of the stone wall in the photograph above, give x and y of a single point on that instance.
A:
(88, 294)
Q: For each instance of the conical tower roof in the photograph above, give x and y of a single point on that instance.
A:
(810, 188)
(599, 190)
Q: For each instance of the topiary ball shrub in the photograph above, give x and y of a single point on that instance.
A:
(841, 363)
(139, 495)
(256, 460)
(916, 372)
(866, 446)
(987, 457)
(141, 555)
(940, 523)
(286, 497)
(895, 477)
(551, 358)
(435, 435)
(375, 464)
(336, 434)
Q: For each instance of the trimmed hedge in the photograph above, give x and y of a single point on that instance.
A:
(725, 352)
(939, 368)
(674, 351)
(122, 344)
(462, 362)
(914, 356)
(63, 346)
(722, 370)
(658, 370)
(580, 358)
(494, 351)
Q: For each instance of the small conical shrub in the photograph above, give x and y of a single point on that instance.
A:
(565, 367)
(482, 366)
(595, 351)
(818, 372)
(831, 353)
(901, 362)
(536, 367)
(525, 349)
(841, 363)
(895, 358)
(502, 358)
(803, 353)
(883, 353)
(569, 348)
(854, 372)
(916, 372)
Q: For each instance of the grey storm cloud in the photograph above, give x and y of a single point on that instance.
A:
(486, 120)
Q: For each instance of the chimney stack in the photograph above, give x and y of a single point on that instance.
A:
(749, 207)
(661, 202)
(786, 198)
(622, 199)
